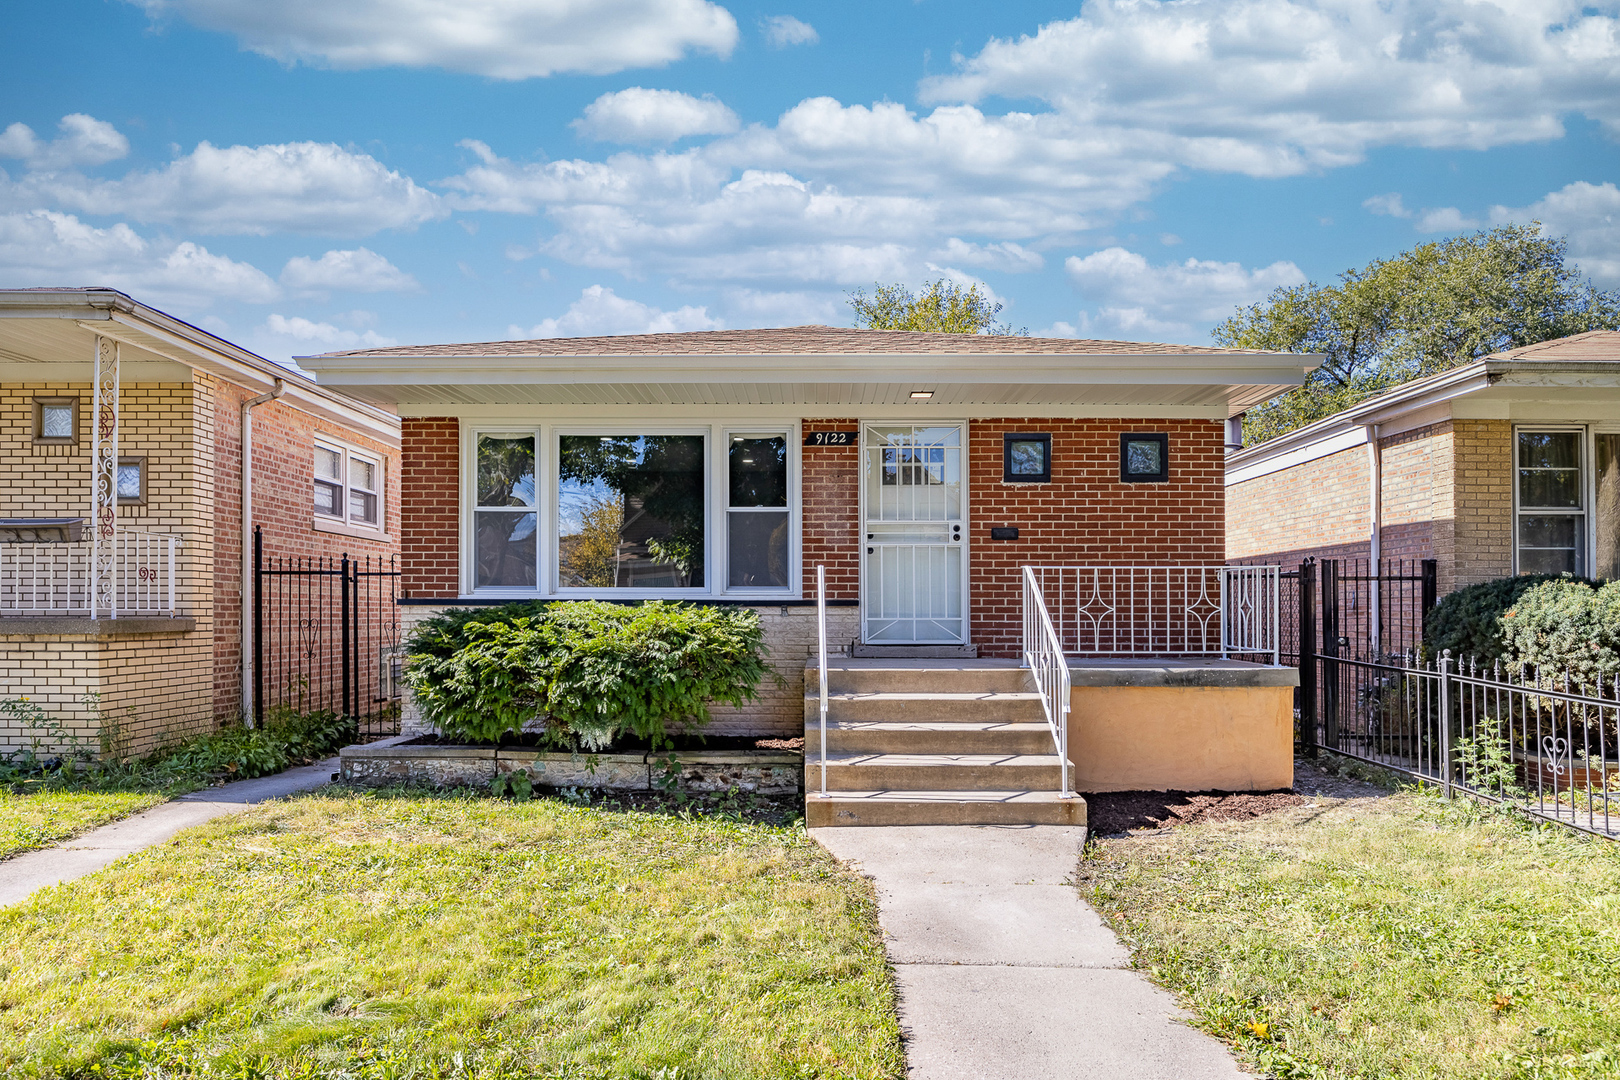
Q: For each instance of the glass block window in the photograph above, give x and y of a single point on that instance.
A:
(758, 523)
(1144, 459)
(1026, 459)
(131, 480)
(630, 511)
(505, 518)
(1551, 527)
(56, 420)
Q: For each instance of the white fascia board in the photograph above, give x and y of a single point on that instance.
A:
(1001, 368)
(527, 414)
(1345, 438)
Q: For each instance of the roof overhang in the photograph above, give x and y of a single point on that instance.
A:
(1230, 382)
(49, 336)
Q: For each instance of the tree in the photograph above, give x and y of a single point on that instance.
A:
(944, 307)
(1442, 304)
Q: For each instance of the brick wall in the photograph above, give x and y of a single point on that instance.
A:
(1318, 508)
(430, 533)
(1484, 504)
(831, 496)
(1085, 516)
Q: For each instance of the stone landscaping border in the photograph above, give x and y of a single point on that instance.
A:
(766, 772)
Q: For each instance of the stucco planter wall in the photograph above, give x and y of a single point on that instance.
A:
(766, 772)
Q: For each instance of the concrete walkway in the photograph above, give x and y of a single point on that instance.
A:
(21, 876)
(1003, 971)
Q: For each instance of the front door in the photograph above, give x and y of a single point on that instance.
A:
(914, 573)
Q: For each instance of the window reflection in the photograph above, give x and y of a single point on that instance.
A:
(630, 511)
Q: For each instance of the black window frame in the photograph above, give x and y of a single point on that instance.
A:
(1125, 474)
(1007, 475)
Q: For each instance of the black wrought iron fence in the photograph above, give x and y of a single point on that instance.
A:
(326, 637)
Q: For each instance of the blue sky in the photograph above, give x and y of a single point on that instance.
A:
(309, 175)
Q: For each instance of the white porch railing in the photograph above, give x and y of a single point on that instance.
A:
(1167, 611)
(55, 579)
(1043, 655)
(821, 663)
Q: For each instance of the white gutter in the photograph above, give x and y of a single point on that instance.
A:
(1375, 515)
(247, 546)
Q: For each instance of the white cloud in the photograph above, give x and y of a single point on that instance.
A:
(638, 115)
(309, 333)
(1006, 256)
(42, 247)
(756, 307)
(1175, 301)
(1390, 205)
(294, 187)
(359, 270)
(1279, 87)
(601, 311)
(1444, 219)
(84, 141)
(503, 39)
(783, 30)
(1589, 215)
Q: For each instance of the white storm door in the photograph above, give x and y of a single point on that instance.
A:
(914, 570)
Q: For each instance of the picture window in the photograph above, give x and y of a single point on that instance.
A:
(1026, 459)
(631, 511)
(1144, 459)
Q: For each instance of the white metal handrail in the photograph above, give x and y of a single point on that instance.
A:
(821, 663)
(1043, 655)
(56, 579)
(1162, 610)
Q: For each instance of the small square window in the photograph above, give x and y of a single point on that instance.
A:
(131, 481)
(1026, 459)
(1144, 459)
(56, 421)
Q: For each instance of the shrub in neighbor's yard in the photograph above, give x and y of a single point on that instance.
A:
(1469, 621)
(589, 670)
(1566, 626)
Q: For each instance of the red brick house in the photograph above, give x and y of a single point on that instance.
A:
(123, 551)
(923, 471)
(1507, 465)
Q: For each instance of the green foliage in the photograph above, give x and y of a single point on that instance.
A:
(590, 670)
(1469, 621)
(517, 785)
(1567, 625)
(944, 307)
(1435, 307)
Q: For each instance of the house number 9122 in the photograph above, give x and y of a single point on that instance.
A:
(830, 438)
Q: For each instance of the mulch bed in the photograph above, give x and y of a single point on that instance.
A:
(1115, 812)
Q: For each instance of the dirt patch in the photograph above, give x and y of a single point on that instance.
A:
(1124, 811)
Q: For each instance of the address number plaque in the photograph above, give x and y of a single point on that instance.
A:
(830, 438)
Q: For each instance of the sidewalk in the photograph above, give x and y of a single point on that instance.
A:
(1004, 972)
(20, 877)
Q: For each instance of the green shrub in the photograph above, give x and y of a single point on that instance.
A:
(1567, 626)
(1469, 621)
(590, 670)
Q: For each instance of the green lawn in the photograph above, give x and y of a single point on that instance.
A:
(39, 819)
(1380, 938)
(396, 934)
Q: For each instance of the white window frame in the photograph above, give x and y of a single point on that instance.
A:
(716, 563)
(1588, 489)
(344, 523)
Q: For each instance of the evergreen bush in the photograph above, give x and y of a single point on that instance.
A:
(1566, 626)
(588, 670)
(1469, 621)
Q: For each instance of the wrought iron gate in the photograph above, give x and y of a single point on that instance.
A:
(326, 637)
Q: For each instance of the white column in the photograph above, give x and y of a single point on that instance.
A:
(104, 482)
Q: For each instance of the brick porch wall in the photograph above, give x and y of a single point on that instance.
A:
(830, 493)
(429, 542)
(1085, 516)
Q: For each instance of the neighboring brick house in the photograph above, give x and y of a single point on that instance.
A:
(922, 470)
(1507, 465)
(152, 635)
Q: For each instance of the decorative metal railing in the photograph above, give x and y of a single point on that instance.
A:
(1229, 611)
(1043, 655)
(59, 578)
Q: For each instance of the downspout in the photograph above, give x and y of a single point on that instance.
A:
(247, 546)
(1375, 515)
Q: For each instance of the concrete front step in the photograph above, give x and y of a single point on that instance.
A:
(920, 676)
(1005, 706)
(933, 772)
(941, 807)
(916, 737)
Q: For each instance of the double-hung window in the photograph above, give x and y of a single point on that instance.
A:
(348, 486)
(506, 513)
(758, 522)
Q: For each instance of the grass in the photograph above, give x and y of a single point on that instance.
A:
(30, 821)
(411, 934)
(1397, 937)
